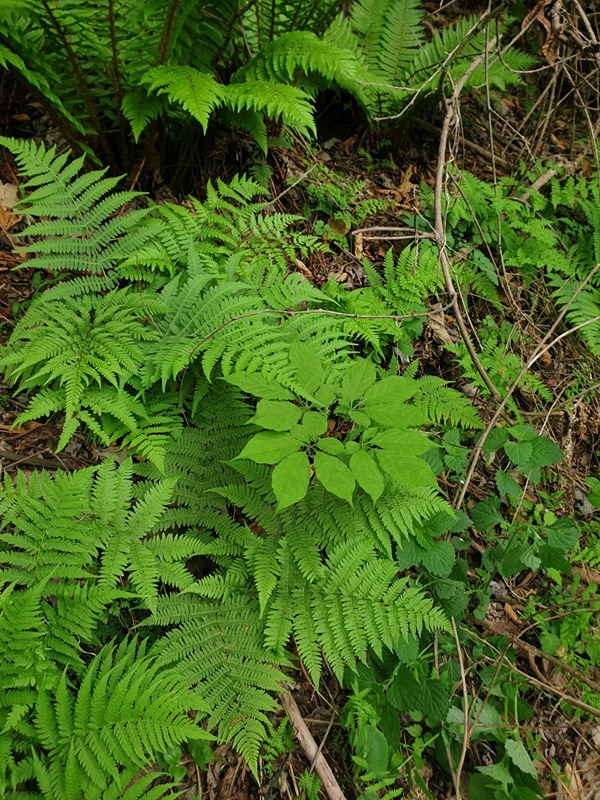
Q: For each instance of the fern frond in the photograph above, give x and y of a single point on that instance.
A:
(82, 234)
(391, 34)
(301, 58)
(126, 709)
(219, 649)
(441, 404)
(196, 92)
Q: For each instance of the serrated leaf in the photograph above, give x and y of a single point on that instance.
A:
(269, 447)
(519, 756)
(335, 476)
(357, 380)
(404, 692)
(486, 515)
(439, 560)
(507, 486)
(563, 535)
(520, 454)
(435, 701)
(276, 415)
(290, 479)
(495, 439)
(367, 474)
(545, 452)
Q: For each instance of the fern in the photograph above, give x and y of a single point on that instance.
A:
(66, 544)
(126, 709)
(219, 648)
(177, 367)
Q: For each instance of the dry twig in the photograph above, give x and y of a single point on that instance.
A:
(311, 749)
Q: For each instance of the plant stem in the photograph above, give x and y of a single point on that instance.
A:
(82, 83)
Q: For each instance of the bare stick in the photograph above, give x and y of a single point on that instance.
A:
(308, 744)
(440, 233)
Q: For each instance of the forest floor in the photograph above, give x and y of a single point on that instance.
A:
(391, 174)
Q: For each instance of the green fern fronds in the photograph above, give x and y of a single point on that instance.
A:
(126, 709)
(219, 648)
(73, 346)
(196, 92)
(83, 232)
(390, 33)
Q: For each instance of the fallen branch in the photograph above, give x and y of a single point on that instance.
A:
(311, 749)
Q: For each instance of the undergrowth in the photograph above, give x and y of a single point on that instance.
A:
(281, 506)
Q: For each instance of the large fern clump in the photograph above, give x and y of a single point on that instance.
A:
(278, 476)
(106, 86)
(75, 549)
(189, 62)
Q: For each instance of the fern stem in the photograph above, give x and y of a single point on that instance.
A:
(82, 83)
(167, 31)
(116, 76)
(237, 16)
(324, 311)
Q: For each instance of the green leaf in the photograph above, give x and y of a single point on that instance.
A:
(439, 560)
(520, 454)
(486, 515)
(406, 443)
(397, 415)
(519, 756)
(391, 391)
(563, 535)
(256, 385)
(315, 423)
(409, 471)
(276, 415)
(332, 446)
(405, 693)
(545, 452)
(507, 486)
(594, 495)
(372, 746)
(359, 417)
(501, 774)
(326, 394)
(290, 479)
(307, 365)
(335, 476)
(435, 702)
(357, 380)
(496, 438)
(269, 447)
(367, 474)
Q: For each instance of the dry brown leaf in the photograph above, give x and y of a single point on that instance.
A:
(437, 324)
(574, 788)
(9, 194)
